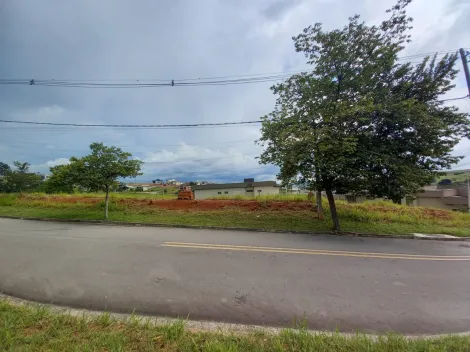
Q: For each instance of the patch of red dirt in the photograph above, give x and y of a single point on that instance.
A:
(439, 214)
(251, 205)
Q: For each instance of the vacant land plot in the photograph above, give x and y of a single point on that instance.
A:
(172, 204)
(287, 214)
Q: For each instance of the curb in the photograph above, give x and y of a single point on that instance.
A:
(332, 233)
(204, 326)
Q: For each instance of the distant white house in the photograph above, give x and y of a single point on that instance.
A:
(250, 189)
(173, 182)
(139, 186)
(201, 182)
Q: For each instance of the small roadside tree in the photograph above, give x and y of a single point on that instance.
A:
(360, 122)
(101, 169)
(60, 180)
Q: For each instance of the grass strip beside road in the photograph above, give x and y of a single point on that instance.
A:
(37, 328)
(302, 221)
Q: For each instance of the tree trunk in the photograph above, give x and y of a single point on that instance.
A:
(320, 212)
(106, 203)
(334, 214)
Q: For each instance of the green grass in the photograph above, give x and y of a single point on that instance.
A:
(36, 328)
(369, 217)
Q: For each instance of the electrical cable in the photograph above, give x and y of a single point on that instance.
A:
(451, 99)
(133, 126)
(132, 146)
(186, 82)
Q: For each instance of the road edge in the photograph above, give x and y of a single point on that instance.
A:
(203, 325)
(222, 228)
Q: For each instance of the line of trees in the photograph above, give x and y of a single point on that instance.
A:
(360, 122)
(18, 178)
(98, 171)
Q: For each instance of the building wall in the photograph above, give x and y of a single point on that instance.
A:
(266, 190)
(449, 199)
(212, 193)
(440, 204)
(429, 202)
(462, 191)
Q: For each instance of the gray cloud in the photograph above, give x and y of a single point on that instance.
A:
(112, 39)
(278, 8)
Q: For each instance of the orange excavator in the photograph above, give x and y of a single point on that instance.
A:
(185, 193)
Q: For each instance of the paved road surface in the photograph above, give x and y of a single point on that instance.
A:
(373, 285)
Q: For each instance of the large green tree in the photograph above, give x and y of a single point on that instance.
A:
(98, 171)
(360, 122)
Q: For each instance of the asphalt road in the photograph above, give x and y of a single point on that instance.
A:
(368, 284)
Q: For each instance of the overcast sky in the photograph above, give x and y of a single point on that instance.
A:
(146, 39)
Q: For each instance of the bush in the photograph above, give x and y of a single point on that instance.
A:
(7, 199)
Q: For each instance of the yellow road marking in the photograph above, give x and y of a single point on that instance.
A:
(315, 252)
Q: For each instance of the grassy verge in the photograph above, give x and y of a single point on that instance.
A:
(35, 328)
(371, 217)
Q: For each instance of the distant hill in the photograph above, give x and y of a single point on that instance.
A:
(455, 175)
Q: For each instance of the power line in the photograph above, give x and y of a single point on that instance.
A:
(133, 126)
(138, 84)
(128, 130)
(459, 98)
(245, 76)
(185, 82)
(161, 126)
(132, 146)
(452, 51)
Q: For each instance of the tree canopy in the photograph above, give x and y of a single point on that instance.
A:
(19, 179)
(98, 171)
(360, 121)
(60, 180)
(4, 169)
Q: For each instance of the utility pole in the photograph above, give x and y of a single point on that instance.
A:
(468, 192)
(463, 56)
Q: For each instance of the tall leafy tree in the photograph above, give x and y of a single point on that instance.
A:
(360, 122)
(99, 170)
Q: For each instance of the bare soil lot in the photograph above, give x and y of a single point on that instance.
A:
(173, 204)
